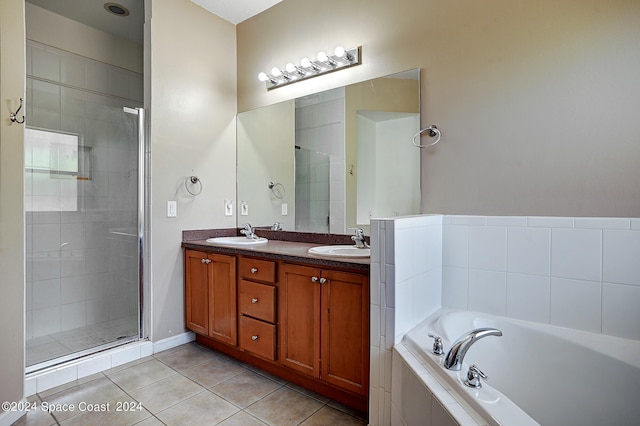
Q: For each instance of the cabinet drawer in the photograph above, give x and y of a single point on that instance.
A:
(258, 337)
(254, 269)
(257, 300)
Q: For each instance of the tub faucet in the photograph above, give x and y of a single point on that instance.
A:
(359, 238)
(455, 356)
(248, 231)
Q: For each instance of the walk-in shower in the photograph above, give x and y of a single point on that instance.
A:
(84, 199)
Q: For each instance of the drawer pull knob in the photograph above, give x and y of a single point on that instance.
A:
(254, 300)
(254, 337)
(254, 270)
(323, 280)
(314, 279)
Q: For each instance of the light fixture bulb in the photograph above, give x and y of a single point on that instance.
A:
(290, 68)
(263, 76)
(339, 52)
(322, 57)
(275, 71)
(305, 62)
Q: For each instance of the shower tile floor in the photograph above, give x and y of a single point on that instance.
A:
(57, 345)
(189, 384)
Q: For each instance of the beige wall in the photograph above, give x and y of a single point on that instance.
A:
(192, 132)
(538, 101)
(81, 39)
(12, 72)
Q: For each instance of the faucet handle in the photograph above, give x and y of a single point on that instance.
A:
(437, 344)
(359, 232)
(473, 377)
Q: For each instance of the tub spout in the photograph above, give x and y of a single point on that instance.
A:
(455, 356)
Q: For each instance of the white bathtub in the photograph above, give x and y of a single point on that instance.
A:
(538, 374)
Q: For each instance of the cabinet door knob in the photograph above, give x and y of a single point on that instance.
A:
(254, 337)
(323, 280)
(314, 279)
(205, 260)
(254, 270)
(254, 300)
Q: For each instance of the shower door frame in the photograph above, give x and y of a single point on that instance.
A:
(143, 321)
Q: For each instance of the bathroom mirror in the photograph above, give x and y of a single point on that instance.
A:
(332, 160)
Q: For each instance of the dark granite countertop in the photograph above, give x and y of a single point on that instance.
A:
(277, 249)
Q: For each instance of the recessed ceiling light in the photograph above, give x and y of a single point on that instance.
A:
(116, 9)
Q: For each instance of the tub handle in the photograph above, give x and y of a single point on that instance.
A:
(437, 344)
(473, 377)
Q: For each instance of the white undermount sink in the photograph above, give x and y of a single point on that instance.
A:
(340, 251)
(238, 241)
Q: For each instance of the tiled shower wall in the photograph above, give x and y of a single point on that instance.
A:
(77, 260)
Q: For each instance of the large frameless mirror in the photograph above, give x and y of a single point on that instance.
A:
(332, 160)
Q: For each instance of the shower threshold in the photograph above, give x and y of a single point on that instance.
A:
(55, 349)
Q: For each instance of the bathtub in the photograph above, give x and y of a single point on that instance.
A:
(538, 374)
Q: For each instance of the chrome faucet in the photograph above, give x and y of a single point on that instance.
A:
(455, 356)
(359, 238)
(248, 231)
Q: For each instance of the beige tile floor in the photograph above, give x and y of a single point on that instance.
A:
(192, 385)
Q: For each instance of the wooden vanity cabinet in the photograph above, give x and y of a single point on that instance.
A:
(210, 295)
(324, 325)
(306, 324)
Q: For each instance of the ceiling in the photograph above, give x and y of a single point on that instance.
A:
(93, 13)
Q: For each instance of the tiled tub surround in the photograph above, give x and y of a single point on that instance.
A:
(580, 273)
(531, 268)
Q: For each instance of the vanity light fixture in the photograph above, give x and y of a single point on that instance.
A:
(342, 58)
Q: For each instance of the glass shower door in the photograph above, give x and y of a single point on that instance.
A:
(83, 216)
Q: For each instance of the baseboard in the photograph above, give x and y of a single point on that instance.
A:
(173, 341)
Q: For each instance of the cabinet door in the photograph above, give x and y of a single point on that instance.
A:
(299, 315)
(196, 291)
(345, 331)
(222, 298)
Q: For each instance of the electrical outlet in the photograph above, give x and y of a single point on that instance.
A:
(284, 209)
(172, 208)
(228, 208)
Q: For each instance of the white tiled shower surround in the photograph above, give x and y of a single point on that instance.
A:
(580, 273)
(74, 257)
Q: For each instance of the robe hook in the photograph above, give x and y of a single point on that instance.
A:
(14, 115)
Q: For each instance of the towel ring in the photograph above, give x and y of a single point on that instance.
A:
(433, 132)
(194, 180)
(277, 189)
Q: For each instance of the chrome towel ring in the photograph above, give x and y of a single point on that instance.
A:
(195, 183)
(433, 132)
